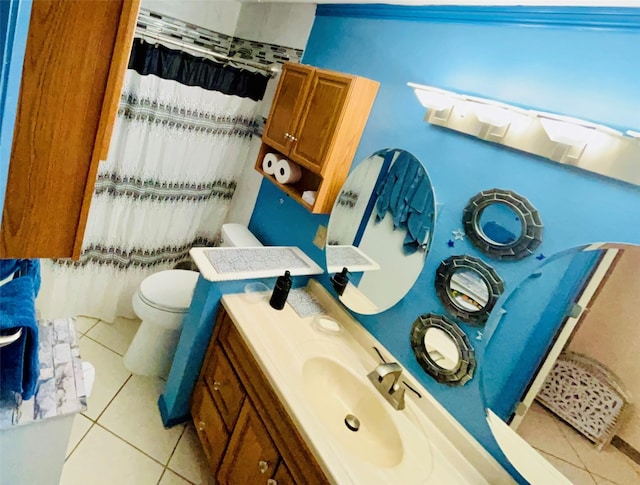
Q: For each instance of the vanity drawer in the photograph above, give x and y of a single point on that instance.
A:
(211, 430)
(225, 387)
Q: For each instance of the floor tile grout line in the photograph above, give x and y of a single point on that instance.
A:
(164, 470)
(113, 398)
(131, 444)
(102, 345)
(80, 440)
(184, 431)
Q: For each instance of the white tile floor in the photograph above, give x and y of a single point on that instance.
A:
(573, 454)
(120, 438)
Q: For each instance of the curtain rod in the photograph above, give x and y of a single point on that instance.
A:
(272, 69)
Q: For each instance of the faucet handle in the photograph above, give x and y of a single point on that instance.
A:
(390, 368)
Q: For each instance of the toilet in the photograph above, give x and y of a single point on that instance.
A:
(237, 235)
(161, 302)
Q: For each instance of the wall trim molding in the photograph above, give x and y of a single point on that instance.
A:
(568, 17)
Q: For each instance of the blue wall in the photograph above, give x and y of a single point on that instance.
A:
(577, 71)
(14, 25)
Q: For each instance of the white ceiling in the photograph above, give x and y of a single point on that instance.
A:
(548, 3)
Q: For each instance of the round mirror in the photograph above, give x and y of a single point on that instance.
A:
(502, 224)
(561, 368)
(380, 230)
(442, 349)
(468, 288)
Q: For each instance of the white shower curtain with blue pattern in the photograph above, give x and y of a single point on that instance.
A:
(174, 159)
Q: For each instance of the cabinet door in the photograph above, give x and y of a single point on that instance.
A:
(226, 389)
(319, 121)
(209, 425)
(251, 457)
(287, 106)
(282, 476)
(74, 65)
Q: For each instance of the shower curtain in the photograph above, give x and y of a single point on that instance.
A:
(180, 140)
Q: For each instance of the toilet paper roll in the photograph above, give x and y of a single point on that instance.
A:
(287, 172)
(269, 163)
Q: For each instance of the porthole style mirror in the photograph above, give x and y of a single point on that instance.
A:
(560, 369)
(442, 349)
(502, 224)
(468, 288)
(380, 229)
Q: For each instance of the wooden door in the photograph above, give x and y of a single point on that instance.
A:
(287, 106)
(320, 118)
(76, 55)
(251, 457)
(209, 425)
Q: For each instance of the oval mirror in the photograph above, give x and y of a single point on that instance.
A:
(561, 368)
(502, 224)
(442, 349)
(468, 288)
(380, 230)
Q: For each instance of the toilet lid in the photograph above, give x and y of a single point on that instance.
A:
(171, 289)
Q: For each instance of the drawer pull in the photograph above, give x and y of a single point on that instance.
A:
(263, 465)
(202, 425)
(271, 481)
(217, 385)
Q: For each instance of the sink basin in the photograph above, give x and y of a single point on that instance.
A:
(334, 393)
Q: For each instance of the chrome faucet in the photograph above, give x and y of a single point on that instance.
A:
(386, 379)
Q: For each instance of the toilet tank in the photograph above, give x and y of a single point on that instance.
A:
(237, 235)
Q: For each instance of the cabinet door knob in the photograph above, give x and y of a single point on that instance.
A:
(293, 138)
(202, 425)
(287, 135)
(271, 481)
(217, 385)
(263, 465)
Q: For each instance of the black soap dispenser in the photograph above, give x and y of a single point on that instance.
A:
(280, 291)
(340, 280)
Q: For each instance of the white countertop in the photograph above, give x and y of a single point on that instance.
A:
(433, 447)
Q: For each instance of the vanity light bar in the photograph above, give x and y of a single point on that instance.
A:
(564, 139)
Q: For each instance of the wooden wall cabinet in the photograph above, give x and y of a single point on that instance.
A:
(316, 121)
(74, 65)
(246, 433)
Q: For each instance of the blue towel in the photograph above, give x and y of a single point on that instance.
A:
(406, 193)
(19, 366)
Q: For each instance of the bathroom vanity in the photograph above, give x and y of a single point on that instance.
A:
(272, 399)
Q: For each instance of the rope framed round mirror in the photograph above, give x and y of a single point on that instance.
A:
(442, 349)
(502, 224)
(468, 288)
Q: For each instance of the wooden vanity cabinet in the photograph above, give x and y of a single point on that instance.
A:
(247, 434)
(74, 65)
(316, 120)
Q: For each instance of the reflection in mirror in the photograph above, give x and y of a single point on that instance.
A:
(500, 223)
(442, 349)
(380, 229)
(561, 366)
(468, 288)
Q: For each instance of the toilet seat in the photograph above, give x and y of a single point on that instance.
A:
(169, 291)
